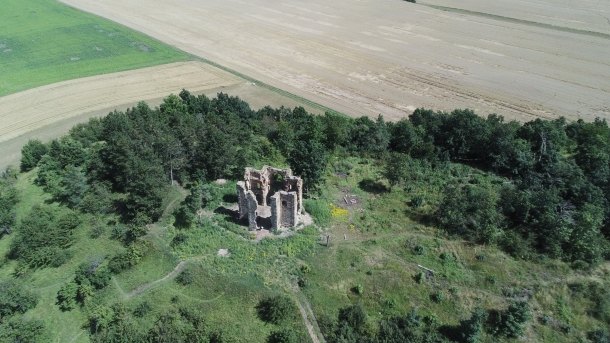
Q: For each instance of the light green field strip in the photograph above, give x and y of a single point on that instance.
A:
(43, 41)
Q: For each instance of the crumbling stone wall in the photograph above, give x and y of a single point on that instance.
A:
(273, 187)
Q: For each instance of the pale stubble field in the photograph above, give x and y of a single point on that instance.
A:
(388, 57)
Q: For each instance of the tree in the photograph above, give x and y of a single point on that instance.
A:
(8, 200)
(282, 336)
(370, 137)
(335, 129)
(396, 168)
(73, 186)
(308, 159)
(145, 190)
(19, 329)
(470, 330)
(354, 317)
(276, 309)
(94, 273)
(15, 299)
(511, 322)
(97, 199)
(471, 211)
(66, 296)
(43, 237)
(31, 153)
(185, 214)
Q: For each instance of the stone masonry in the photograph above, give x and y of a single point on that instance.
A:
(270, 193)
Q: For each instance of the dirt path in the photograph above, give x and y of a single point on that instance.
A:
(309, 318)
(147, 286)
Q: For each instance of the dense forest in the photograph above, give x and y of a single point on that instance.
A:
(547, 196)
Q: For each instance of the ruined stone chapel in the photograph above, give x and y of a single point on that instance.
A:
(270, 194)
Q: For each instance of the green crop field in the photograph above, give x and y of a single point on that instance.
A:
(44, 41)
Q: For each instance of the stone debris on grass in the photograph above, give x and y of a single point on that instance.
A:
(223, 253)
(220, 181)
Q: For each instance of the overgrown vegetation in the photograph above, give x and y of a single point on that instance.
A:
(137, 186)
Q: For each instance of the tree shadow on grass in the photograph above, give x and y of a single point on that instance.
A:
(229, 198)
(229, 215)
(372, 186)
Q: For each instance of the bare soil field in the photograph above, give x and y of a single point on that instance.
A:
(520, 59)
(50, 111)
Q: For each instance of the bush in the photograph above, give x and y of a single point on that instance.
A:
(129, 258)
(31, 153)
(282, 336)
(186, 277)
(511, 322)
(66, 296)
(142, 309)
(94, 273)
(437, 297)
(418, 250)
(18, 329)
(470, 330)
(276, 309)
(44, 236)
(353, 317)
(14, 298)
(599, 336)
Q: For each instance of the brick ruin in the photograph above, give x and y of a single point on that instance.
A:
(270, 193)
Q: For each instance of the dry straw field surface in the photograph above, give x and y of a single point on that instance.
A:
(520, 59)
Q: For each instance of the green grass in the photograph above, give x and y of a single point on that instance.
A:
(378, 244)
(43, 41)
(375, 246)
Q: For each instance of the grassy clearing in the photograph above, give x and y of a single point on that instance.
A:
(43, 41)
(378, 244)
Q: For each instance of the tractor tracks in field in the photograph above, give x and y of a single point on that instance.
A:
(521, 21)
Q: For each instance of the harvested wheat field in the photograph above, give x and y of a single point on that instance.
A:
(50, 111)
(38, 107)
(522, 60)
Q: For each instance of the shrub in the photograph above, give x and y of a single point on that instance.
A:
(93, 273)
(282, 336)
(511, 322)
(186, 277)
(18, 329)
(470, 330)
(66, 296)
(14, 298)
(142, 309)
(354, 317)
(418, 250)
(129, 258)
(31, 153)
(276, 309)
(437, 297)
(599, 336)
(44, 236)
